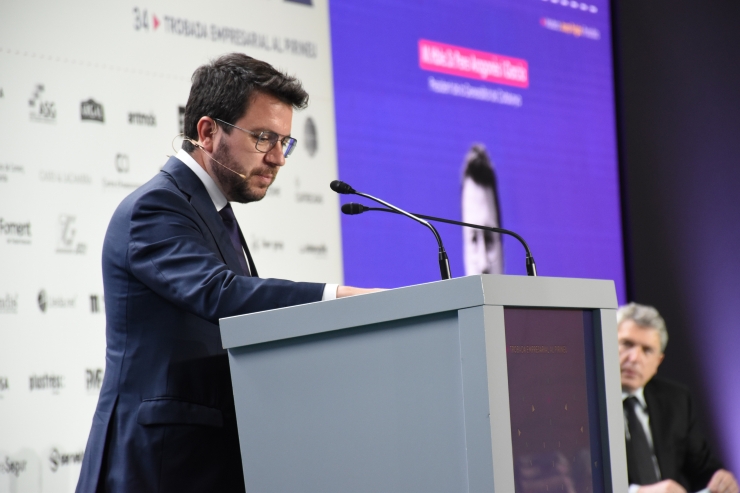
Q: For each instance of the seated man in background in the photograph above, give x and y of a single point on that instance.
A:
(666, 452)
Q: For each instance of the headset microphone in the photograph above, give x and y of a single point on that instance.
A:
(199, 146)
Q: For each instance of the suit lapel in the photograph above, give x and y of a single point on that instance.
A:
(188, 182)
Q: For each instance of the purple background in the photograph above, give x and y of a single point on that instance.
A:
(555, 156)
(680, 71)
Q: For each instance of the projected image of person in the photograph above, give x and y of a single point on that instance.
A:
(483, 251)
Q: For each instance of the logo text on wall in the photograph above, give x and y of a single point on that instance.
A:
(66, 236)
(53, 302)
(9, 303)
(41, 109)
(91, 110)
(93, 378)
(59, 459)
(16, 232)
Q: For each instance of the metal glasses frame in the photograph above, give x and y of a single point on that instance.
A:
(287, 142)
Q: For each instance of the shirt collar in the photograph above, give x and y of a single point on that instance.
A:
(217, 196)
(639, 394)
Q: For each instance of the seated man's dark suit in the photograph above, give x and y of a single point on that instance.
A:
(165, 420)
(681, 449)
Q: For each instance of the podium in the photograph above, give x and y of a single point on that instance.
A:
(476, 384)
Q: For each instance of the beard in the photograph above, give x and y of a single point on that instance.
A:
(235, 188)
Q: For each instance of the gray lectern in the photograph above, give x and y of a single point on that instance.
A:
(477, 384)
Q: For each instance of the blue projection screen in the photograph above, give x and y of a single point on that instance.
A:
(498, 112)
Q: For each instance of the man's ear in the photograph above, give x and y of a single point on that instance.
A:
(662, 357)
(207, 130)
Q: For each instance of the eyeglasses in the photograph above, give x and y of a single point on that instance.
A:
(266, 140)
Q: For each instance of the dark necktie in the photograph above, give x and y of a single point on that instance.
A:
(227, 214)
(640, 466)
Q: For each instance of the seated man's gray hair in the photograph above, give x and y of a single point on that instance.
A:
(644, 316)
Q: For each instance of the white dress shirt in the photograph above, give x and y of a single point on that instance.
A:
(220, 201)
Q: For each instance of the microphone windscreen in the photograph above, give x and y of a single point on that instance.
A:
(341, 187)
(353, 208)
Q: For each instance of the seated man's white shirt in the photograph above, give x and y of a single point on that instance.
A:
(220, 201)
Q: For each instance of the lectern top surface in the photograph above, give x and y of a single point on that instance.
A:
(415, 301)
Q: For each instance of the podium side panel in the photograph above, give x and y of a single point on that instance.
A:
(614, 418)
(486, 399)
(498, 398)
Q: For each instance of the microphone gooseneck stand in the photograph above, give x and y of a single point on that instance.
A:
(353, 209)
(444, 261)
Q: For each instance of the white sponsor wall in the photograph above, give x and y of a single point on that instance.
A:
(90, 102)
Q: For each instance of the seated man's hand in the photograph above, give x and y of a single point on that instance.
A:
(723, 482)
(667, 486)
(344, 291)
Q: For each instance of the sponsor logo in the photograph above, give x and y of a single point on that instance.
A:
(66, 236)
(273, 191)
(19, 233)
(181, 119)
(10, 466)
(41, 298)
(7, 169)
(53, 302)
(42, 110)
(147, 120)
(91, 110)
(2, 94)
(9, 304)
(95, 302)
(311, 142)
(310, 198)
(94, 378)
(473, 64)
(59, 459)
(4, 384)
(307, 197)
(46, 382)
(122, 163)
(65, 177)
(119, 184)
(319, 250)
(258, 244)
(576, 30)
(303, 2)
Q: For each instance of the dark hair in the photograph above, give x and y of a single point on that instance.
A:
(478, 168)
(223, 89)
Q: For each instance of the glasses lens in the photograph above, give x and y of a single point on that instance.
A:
(289, 145)
(266, 141)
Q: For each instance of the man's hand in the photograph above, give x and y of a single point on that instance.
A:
(344, 291)
(667, 486)
(723, 482)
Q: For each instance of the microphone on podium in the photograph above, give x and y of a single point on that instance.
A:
(444, 261)
(354, 208)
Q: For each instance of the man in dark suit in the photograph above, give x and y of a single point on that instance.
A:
(174, 262)
(666, 451)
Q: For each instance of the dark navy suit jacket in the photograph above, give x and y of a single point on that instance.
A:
(682, 450)
(165, 420)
